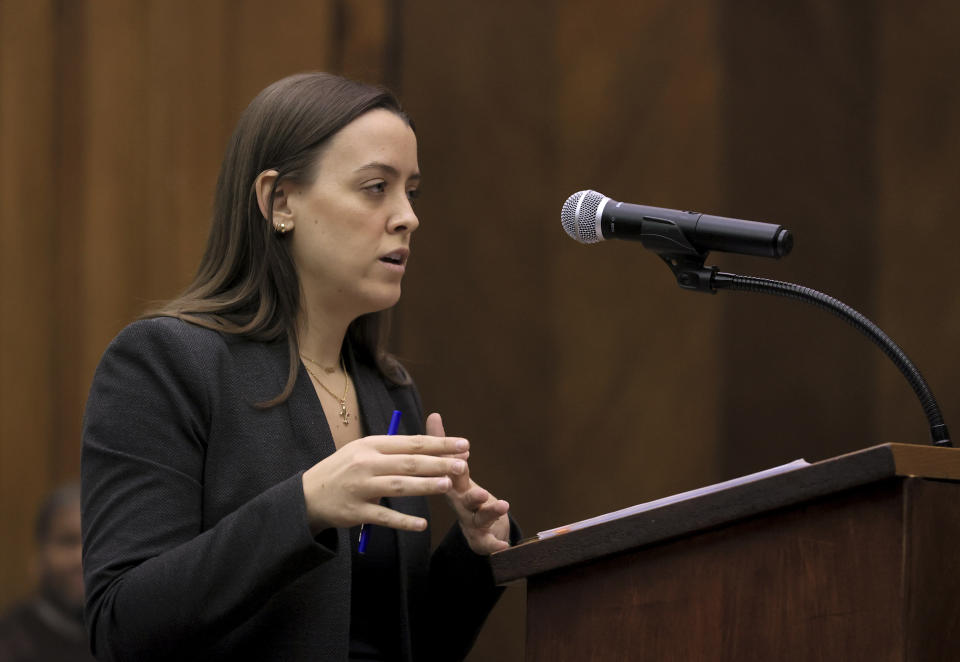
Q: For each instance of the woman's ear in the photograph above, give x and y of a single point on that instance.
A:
(282, 216)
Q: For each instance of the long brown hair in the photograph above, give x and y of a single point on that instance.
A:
(246, 283)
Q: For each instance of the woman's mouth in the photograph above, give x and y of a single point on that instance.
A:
(396, 260)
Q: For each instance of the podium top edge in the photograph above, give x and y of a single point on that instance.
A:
(922, 461)
(858, 468)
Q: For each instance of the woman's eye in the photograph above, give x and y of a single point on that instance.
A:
(413, 194)
(379, 187)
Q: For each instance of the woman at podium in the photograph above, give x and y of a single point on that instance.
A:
(235, 440)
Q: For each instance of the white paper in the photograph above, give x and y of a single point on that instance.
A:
(683, 496)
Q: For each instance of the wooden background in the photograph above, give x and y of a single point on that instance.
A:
(585, 378)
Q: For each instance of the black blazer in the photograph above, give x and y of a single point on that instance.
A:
(196, 541)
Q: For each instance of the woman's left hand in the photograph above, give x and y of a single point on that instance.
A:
(483, 517)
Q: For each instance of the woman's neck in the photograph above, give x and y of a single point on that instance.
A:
(321, 338)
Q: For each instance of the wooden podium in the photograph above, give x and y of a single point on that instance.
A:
(852, 558)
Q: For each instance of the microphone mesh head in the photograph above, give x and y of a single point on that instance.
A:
(579, 216)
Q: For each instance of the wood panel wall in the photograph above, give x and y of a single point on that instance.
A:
(28, 395)
(585, 378)
(801, 131)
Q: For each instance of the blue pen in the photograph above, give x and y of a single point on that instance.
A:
(364, 529)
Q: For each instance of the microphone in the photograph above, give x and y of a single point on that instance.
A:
(589, 217)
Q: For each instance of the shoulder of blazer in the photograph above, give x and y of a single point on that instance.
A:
(259, 369)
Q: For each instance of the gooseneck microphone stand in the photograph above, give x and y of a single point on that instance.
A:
(691, 274)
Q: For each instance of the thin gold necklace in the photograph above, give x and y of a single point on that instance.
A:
(327, 370)
(341, 400)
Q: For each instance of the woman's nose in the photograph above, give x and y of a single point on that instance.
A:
(405, 219)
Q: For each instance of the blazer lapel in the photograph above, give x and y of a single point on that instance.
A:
(307, 418)
(263, 368)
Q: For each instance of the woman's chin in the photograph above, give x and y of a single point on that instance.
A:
(383, 300)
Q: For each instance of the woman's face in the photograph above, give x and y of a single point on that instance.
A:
(352, 224)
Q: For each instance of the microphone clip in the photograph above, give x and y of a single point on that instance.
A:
(690, 272)
(664, 237)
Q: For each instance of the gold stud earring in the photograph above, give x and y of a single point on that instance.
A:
(282, 228)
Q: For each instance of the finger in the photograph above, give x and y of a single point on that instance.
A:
(461, 481)
(484, 541)
(488, 544)
(389, 486)
(475, 497)
(434, 425)
(420, 444)
(489, 513)
(418, 465)
(466, 500)
(494, 544)
(383, 516)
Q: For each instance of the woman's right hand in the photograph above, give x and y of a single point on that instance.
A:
(344, 489)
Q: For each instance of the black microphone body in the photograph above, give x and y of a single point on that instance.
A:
(622, 220)
(669, 231)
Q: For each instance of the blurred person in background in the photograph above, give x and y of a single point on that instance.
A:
(48, 626)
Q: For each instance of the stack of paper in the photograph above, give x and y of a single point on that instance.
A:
(683, 496)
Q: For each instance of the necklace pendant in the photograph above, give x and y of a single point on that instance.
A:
(343, 412)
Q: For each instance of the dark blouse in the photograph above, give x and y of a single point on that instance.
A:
(375, 597)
